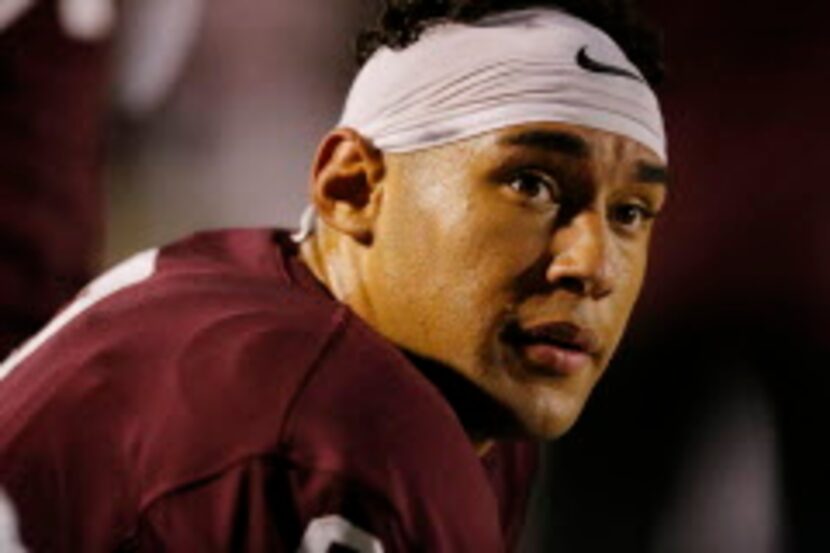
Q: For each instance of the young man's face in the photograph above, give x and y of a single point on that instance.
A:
(515, 258)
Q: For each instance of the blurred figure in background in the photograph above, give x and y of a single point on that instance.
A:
(230, 143)
(54, 68)
(58, 62)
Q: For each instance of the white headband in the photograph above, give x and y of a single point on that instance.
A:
(533, 65)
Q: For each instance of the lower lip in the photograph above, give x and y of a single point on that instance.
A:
(556, 360)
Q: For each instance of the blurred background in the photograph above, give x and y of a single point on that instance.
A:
(126, 125)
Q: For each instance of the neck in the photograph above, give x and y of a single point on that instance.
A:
(482, 418)
(334, 264)
(312, 257)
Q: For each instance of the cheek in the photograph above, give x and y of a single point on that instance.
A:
(436, 278)
(501, 241)
(476, 243)
(631, 280)
(630, 271)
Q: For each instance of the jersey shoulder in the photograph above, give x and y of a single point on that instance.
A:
(184, 358)
(367, 417)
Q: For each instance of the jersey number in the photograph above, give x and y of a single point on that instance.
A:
(9, 538)
(335, 533)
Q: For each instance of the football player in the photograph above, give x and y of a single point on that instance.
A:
(377, 381)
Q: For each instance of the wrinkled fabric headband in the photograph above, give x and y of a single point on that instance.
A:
(460, 80)
(534, 65)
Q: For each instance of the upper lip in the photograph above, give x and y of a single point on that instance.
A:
(563, 334)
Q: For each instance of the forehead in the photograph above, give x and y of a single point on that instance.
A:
(601, 153)
(573, 141)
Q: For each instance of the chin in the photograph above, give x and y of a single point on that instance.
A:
(543, 404)
(548, 416)
(547, 428)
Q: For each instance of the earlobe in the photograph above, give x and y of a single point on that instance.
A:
(345, 184)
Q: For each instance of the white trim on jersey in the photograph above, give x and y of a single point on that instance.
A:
(139, 267)
(330, 530)
(9, 535)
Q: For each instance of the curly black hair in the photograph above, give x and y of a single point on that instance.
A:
(401, 22)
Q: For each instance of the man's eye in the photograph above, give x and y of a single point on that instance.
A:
(535, 186)
(631, 216)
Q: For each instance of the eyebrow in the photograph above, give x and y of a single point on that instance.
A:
(652, 174)
(550, 141)
(573, 145)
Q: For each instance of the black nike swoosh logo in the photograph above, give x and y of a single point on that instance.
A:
(584, 61)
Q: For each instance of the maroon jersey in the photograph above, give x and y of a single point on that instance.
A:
(212, 396)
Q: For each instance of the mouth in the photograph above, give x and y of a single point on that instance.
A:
(555, 348)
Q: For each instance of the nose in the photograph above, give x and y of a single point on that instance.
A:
(580, 261)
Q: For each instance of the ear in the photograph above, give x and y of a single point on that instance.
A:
(345, 183)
